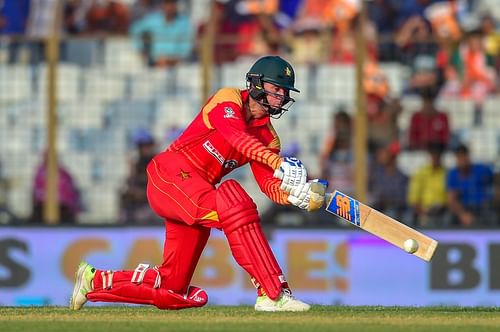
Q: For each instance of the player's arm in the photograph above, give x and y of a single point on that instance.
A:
(268, 184)
(310, 196)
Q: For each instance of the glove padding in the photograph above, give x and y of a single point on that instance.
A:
(309, 196)
(292, 173)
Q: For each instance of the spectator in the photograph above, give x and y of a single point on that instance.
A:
(382, 110)
(133, 201)
(415, 38)
(13, 19)
(306, 41)
(226, 29)
(13, 16)
(343, 41)
(287, 13)
(336, 13)
(442, 16)
(336, 153)
(387, 185)
(428, 125)
(425, 75)
(469, 75)
(107, 17)
(257, 33)
(491, 41)
(141, 8)
(469, 187)
(169, 33)
(409, 9)
(338, 17)
(68, 194)
(259, 36)
(40, 26)
(383, 15)
(74, 13)
(383, 117)
(427, 190)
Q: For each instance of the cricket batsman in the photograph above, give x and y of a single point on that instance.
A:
(184, 187)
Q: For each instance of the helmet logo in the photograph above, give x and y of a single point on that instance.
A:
(288, 71)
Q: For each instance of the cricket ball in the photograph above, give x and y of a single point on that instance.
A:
(410, 246)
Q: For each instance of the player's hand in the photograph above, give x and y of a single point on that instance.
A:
(292, 173)
(310, 196)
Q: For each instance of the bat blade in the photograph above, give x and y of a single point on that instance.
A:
(379, 224)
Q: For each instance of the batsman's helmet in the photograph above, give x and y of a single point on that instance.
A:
(274, 70)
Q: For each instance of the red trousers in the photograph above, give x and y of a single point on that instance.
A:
(187, 203)
(191, 206)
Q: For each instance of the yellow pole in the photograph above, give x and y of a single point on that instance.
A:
(360, 125)
(51, 204)
(207, 51)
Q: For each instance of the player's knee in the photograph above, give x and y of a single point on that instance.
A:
(234, 206)
(169, 300)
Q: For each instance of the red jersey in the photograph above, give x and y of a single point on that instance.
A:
(219, 140)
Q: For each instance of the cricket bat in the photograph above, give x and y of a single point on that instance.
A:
(376, 223)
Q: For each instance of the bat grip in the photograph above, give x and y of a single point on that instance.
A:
(319, 186)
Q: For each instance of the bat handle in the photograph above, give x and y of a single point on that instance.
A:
(319, 186)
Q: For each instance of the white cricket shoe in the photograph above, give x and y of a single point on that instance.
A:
(286, 302)
(83, 284)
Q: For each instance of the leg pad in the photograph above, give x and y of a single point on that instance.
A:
(240, 222)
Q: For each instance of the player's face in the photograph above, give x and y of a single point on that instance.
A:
(275, 95)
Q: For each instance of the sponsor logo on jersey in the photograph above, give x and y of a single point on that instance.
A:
(231, 163)
(230, 114)
(213, 151)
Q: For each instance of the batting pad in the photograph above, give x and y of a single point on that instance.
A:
(241, 224)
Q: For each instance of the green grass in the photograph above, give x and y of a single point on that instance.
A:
(244, 318)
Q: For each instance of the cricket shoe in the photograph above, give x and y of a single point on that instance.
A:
(286, 302)
(83, 284)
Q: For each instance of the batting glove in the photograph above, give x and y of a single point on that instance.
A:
(292, 173)
(310, 196)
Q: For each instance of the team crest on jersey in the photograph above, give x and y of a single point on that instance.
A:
(230, 114)
(288, 71)
(184, 175)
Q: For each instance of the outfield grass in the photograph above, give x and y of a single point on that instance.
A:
(244, 318)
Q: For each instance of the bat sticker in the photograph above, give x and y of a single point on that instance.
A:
(344, 207)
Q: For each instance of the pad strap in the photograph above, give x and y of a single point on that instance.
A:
(140, 272)
(107, 279)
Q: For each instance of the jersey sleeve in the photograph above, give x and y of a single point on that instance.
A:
(228, 119)
(268, 184)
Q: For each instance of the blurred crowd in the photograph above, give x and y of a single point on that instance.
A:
(451, 48)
